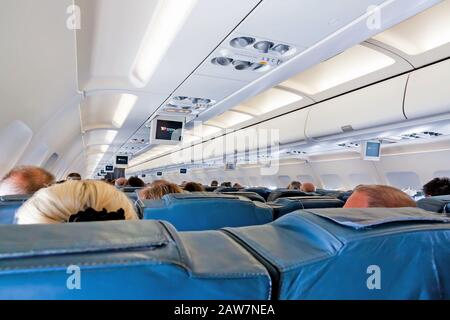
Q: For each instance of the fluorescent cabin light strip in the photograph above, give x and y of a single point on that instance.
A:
(126, 104)
(167, 21)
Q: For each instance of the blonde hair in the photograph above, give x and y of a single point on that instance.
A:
(57, 203)
(158, 189)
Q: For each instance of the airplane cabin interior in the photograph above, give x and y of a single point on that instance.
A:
(255, 149)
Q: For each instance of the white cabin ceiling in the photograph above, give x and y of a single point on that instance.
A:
(75, 92)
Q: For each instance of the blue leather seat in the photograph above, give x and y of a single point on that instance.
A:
(283, 206)
(330, 193)
(206, 211)
(9, 206)
(250, 195)
(126, 260)
(262, 191)
(285, 193)
(437, 204)
(335, 253)
(227, 189)
(131, 192)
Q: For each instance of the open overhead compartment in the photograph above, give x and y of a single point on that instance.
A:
(428, 91)
(372, 106)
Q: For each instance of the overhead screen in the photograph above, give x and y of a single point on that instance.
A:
(121, 160)
(371, 150)
(166, 131)
(183, 170)
(109, 168)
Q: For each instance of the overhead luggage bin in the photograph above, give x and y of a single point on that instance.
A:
(428, 93)
(206, 211)
(369, 107)
(289, 127)
(125, 260)
(354, 253)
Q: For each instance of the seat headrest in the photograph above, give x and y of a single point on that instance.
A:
(126, 260)
(434, 204)
(227, 189)
(130, 189)
(274, 195)
(283, 206)
(206, 211)
(250, 195)
(330, 253)
(15, 198)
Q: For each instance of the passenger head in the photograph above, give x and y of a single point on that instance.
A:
(214, 183)
(237, 186)
(308, 187)
(193, 187)
(25, 180)
(121, 182)
(437, 187)
(136, 182)
(294, 185)
(378, 196)
(73, 176)
(226, 184)
(158, 189)
(58, 203)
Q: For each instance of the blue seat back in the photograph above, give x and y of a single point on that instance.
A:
(373, 253)
(125, 260)
(9, 206)
(205, 211)
(250, 195)
(285, 193)
(434, 204)
(262, 191)
(283, 206)
(227, 189)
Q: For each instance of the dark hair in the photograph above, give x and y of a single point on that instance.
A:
(193, 187)
(73, 176)
(214, 183)
(437, 187)
(136, 182)
(226, 184)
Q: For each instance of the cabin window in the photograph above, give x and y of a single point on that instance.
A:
(283, 181)
(14, 140)
(305, 178)
(404, 180)
(331, 182)
(441, 174)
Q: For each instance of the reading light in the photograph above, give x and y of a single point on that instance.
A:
(126, 104)
(241, 65)
(242, 42)
(263, 46)
(221, 61)
(167, 21)
(281, 48)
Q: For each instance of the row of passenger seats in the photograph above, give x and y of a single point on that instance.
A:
(210, 211)
(310, 254)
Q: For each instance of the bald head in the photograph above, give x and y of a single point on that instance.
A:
(25, 180)
(121, 182)
(378, 196)
(308, 187)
